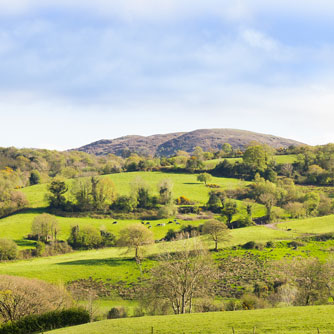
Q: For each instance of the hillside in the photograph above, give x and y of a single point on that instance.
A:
(169, 144)
(289, 320)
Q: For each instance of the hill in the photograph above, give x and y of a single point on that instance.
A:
(289, 320)
(169, 144)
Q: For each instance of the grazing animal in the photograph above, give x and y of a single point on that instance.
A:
(289, 229)
(170, 222)
(114, 222)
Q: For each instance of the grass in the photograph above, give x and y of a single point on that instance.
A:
(184, 185)
(291, 320)
(114, 263)
(310, 225)
(17, 226)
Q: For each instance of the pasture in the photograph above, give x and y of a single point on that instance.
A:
(290, 320)
(115, 263)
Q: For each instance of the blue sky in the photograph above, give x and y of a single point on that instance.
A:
(72, 72)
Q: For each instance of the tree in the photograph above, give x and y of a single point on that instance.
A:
(8, 250)
(312, 278)
(57, 188)
(227, 149)
(216, 230)
(134, 237)
(229, 210)
(45, 227)
(258, 156)
(86, 237)
(35, 177)
(181, 277)
(165, 189)
(216, 200)
(204, 177)
(20, 297)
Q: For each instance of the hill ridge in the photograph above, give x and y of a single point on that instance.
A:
(168, 144)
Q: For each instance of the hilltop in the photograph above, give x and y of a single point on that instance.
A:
(169, 144)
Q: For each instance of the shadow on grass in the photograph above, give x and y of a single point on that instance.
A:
(25, 243)
(115, 262)
(192, 183)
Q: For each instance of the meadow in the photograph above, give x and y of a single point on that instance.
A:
(184, 185)
(116, 263)
(291, 320)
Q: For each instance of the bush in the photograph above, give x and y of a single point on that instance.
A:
(207, 305)
(295, 244)
(249, 245)
(242, 222)
(233, 305)
(21, 297)
(8, 250)
(182, 200)
(86, 237)
(251, 302)
(46, 321)
(116, 312)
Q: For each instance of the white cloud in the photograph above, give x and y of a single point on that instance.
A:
(259, 40)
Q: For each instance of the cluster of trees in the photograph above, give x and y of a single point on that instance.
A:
(99, 195)
(11, 200)
(281, 198)
(180, 281)
(314, 165)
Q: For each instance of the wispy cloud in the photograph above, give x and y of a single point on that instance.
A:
(136, 63)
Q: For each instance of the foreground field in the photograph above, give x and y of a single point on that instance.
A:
(292, 320)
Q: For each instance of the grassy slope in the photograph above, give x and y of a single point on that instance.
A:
(113, 263)
(184, 184)
(310, 225)
(17, 226)
(293, 320)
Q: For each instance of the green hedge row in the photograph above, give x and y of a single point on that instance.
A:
(45, 322)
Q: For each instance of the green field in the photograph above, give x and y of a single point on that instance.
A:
(310, 225)
(292, 320)
(184, 185)
(114, 263)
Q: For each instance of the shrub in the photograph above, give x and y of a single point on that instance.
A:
(47, 321)
(168, 210)
(20, 297)
(270, 244)
(182, 200)
(295, 244)
(86, 237)
(116, 312)
(251, 302)
(242, 222)
(233, 305)
(249, 245)
(8, 250)
(207, 305)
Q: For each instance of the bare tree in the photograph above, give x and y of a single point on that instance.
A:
(216, 231)
(20, 297)
(181, 277)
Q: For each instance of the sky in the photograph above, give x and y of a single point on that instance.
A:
(76, 71)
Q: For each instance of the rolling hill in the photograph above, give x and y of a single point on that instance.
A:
(169, 144)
